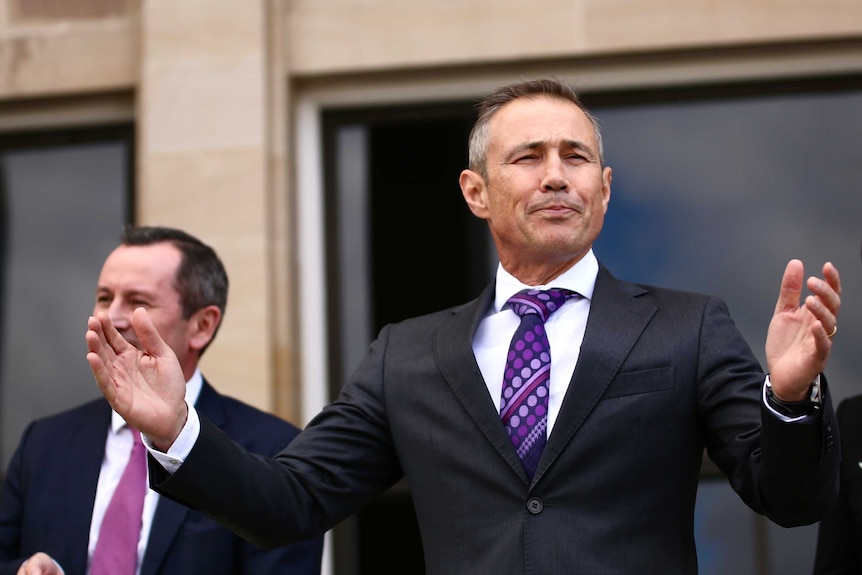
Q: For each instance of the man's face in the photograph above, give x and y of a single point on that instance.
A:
(546, 192)
(143, 276)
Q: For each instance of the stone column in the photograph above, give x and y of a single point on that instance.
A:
(203, 158)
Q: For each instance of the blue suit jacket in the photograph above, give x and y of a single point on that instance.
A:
(46, 502)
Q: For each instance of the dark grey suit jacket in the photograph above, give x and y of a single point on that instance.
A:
(46, 502)
(839, 539)
(661, 375)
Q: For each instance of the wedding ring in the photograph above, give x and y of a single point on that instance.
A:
(834, 331)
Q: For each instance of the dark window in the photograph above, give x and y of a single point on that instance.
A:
(64, 196)
(714, 189)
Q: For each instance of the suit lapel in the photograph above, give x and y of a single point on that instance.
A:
(169, 514)
(82, 482)
(453, 348)
(617, 319)
(166, 522)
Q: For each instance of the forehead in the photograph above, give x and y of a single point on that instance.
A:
(141, 266)
(541, 119)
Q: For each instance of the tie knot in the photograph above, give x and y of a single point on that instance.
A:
(540, 302)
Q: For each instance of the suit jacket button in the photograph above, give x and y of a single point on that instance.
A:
(535, 505)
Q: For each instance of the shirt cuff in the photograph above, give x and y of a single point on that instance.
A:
(810, 406)
(179, 451)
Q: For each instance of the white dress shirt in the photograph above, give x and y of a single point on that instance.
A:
(565, 329)
(118, 448)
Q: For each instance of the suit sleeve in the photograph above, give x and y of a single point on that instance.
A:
(341, 460)
(800, 465)
(12, 513)
(786, 471)
(299, 558)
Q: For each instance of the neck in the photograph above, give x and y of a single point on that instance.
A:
(533, 273)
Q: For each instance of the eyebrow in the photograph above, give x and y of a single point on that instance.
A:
(128, 293)
(532, 145)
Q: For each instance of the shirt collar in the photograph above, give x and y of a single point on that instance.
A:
(193, 390)
(580, 278)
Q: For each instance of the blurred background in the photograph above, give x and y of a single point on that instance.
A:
(315, 142)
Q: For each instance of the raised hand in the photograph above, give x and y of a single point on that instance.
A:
(800, 336)
(146, 386)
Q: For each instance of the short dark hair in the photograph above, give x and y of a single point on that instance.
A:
(201, 278)
(491, 104)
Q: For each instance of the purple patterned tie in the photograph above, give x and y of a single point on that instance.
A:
(116, 550)
(524, 403)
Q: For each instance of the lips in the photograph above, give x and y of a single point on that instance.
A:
(559, 209)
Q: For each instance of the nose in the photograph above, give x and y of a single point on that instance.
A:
(554, 179)
(119, 314)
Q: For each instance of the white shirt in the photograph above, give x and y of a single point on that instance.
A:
(118, 448)
(565, 329)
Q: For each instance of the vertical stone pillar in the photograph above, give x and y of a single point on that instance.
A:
(202, 163)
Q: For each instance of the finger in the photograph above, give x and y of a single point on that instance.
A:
(833, 280)
(828, 293)
(96, 343)
(830, 273)
(148, 335)
(95, 338)
(111, 336)
(39, 564)
(102, 375)
(826, 320)
(791, 287)
(99, 356)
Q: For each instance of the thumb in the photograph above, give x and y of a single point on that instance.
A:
(148, 335)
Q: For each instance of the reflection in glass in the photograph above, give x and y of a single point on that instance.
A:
(716, 197)
(65, 206)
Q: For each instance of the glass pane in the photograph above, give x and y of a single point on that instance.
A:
(717, 196)
(64, 208)
(721, 550)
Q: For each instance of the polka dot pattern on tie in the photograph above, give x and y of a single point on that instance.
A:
(524, 402)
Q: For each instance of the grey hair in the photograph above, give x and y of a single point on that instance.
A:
(488, 107)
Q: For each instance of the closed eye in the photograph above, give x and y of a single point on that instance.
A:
(575, 158)
(526, 158)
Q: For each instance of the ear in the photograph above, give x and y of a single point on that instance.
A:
(475, 193)
(606, 187)
(202, 326)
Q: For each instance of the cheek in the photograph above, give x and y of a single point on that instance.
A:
(169, 328)
(503, 211)
(518, 182)
(508, 192)
(502, 199)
